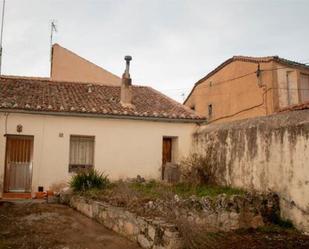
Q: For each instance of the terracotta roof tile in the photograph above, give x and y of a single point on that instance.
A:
(296, 107)
(43, 95)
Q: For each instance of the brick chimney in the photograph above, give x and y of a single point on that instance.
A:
(126, 85)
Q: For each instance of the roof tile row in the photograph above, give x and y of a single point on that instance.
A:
(43, 95)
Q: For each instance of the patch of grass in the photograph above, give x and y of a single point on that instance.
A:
(151, 189)
(154, 189)
(285, 223)
(205, 190)
(273, 228)
(93, 193)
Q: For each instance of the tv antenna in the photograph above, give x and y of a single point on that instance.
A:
(53, 28)
(1, 34)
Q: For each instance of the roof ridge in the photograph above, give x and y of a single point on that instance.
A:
(24, 77)
(174, 101)
(49, 80)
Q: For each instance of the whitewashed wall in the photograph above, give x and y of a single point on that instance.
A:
(123, 148)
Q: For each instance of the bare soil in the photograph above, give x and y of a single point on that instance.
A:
(30, 225)
(274, 238)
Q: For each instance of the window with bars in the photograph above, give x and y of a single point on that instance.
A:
(81, 153)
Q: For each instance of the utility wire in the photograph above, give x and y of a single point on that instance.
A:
(1, 35)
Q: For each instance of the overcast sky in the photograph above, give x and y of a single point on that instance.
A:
(173, 43)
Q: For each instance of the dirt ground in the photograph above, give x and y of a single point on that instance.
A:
(29, 225)
(51, 226)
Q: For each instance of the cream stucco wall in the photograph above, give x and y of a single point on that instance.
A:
(123, 148)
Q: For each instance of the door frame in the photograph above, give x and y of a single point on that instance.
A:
(5, 182)
(171, 152)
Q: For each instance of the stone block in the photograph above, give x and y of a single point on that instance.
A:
(143, 241)
(151, 232)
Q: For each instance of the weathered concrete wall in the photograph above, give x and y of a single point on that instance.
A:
(267, 153)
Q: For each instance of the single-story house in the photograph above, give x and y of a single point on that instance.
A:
(49, 129)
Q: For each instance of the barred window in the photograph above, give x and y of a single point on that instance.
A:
(81, 153)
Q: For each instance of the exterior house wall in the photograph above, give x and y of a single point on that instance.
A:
(265, 154)
(123, 148)
(67, 66)
(248, 96)
(228, 98)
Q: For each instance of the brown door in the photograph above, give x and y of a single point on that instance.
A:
(166, 153)
(18, 166)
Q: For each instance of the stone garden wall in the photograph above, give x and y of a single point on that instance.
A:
(147, 232)
(221, 213)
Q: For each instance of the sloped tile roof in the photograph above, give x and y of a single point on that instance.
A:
(44, 95)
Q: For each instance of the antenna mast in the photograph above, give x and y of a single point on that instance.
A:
(1, 35)
(53, 29)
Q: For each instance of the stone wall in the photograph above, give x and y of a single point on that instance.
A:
(266, 154)
(148, 233)
(221, 213)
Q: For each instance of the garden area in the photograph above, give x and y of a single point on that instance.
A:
(188, 205)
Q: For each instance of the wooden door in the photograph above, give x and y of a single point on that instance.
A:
(166, 153)
(18, 166)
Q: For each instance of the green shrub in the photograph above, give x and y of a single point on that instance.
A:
(197, 170)
(89, 179)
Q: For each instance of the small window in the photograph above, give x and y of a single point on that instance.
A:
(304, 88)
(209, 110)
(81, 153)
(193, 107)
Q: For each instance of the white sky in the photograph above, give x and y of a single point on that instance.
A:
(174, 43)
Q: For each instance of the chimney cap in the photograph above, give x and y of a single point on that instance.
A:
(128, 57)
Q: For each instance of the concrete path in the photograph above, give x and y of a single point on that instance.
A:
(29, 225)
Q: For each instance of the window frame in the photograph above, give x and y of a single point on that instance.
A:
(210, 110)
(73, 168)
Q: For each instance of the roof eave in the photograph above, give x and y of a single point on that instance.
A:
(107, 116)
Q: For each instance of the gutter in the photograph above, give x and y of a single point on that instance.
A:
(107, 116)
